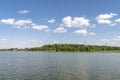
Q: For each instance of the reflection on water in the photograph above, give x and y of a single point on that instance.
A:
(59, 66)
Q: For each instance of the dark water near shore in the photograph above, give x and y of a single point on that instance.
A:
(59, 66)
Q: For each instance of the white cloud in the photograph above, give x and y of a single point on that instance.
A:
(51, 21)
(116, 38)
(12, 21)
(7, 21)
(105, 16)
(92, 34)
(80, 22)
(104, 21)
(81, 32)
(22, 22)
(40, 27)
(60, 30)
(75, 21)
(17, 23)
(23, 11)
(117, 20)
(113, 24)
(67, 21)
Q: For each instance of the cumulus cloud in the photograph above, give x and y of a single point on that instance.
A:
(7, 21)
(81, 32)
(104, 21)
(23, 11)
(40, 27)
(80, 21)
(22, 22)
(17, 23)
(67, 21)
(60, 30)
(92, 34)
(117, 20)
(113, 24)
(75, 21)
(51, 21)
(105, 18)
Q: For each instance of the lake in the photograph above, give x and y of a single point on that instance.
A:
(59, 66)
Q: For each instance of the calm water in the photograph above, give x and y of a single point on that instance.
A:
(59, 66)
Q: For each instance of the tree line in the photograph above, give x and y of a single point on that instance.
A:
(68, 47)
(73, 47)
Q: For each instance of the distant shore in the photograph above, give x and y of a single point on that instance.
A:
(68, 48)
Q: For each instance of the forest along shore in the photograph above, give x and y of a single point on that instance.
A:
(69, 48)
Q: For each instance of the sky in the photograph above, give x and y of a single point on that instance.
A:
(33, 23)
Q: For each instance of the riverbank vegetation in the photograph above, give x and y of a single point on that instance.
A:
(74, 47)
(69, 48)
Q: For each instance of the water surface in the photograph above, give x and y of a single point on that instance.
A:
(59, 66)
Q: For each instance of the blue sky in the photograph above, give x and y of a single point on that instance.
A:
(37, 22)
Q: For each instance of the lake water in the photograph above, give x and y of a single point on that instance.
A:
(59, 66)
